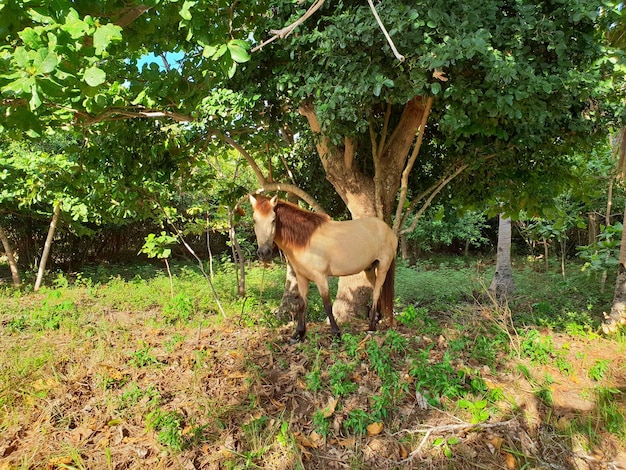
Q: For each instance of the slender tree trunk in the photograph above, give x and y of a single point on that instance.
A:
(169, 274)
(46, 249)
(502, 284)
(15, 273)
(618, 316)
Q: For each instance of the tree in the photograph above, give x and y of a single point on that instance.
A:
(616, 37)
(8, 250)
(502, 86)
(503, 284)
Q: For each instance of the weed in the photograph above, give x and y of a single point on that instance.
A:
(135, 394)
(169, 428)
(351, 344)
(321, 424)
(599, 370)
(478, 409)
(178, 309)
(143, 356)
(438, 380)
(411, 316)
(17, 324)
(395, 341)
(314, 378)
(357, 421)
(176, 340)
(610, 412)
(544, 394)
(52, 314)
(446, 445)
(340, 378)
(536, 347)
(420, 320)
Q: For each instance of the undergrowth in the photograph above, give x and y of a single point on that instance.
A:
(120, 337)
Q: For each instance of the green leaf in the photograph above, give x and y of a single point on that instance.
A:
(184, 11)
(105, 35)
(435, 88)
(238, 50)
(46, 61)
(19, 86)
(209, 51)
(232, 69)
(30, 38)
(21, 58)
(94, 76)
(74, 25)
(35, 101)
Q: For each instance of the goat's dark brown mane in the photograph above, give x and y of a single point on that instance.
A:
(294, 226)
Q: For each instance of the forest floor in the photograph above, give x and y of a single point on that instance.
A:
(91, 382)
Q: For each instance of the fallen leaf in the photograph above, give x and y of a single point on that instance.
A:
(64, 461)
(510, 461)
(304, 441)
(42, 385)
(329, 409)
(495, 443)
(350, 442)
(374, 429)
(316, 439)
(361, 346)
(403, 452)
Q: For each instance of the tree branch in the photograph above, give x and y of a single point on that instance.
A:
(255, 168)
(348, 153)
(399, 56)
(447, 428)
(271, 186)
(128, 15)
(322, 142)
(287, 30)
(404, 183)
(130, 113)
(290, 188)
(436, 190)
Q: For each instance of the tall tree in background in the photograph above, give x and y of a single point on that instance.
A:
(503, 284)
(615, 37)
(617, 315)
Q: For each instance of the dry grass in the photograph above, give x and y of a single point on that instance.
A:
(112, 388)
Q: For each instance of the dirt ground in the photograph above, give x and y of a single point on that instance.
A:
(242, 401)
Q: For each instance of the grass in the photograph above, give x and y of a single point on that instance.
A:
(110, 368)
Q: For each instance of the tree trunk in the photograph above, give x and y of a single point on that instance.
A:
(15, 273)
(46, 249)
(502, 284)
(617, 316)
(363, 195)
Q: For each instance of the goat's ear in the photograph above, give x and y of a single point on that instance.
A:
(274, 201)
(252, 200)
